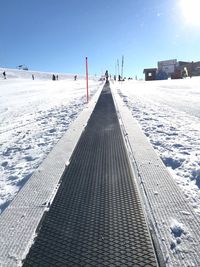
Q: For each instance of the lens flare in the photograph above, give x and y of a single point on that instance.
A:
(190, 10)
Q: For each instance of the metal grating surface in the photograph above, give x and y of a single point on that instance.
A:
(96, 218)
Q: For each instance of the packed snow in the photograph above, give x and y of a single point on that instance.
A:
(169, 114)
(34, 114)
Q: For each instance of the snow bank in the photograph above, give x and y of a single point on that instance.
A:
(24, 74)
(169, 114)
(34, 114)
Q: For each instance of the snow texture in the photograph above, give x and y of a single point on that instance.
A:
(20, 222)
(172, 219)
(34, 115)
(169, 114)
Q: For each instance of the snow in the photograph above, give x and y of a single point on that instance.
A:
(34, 114)
(177, 228)
(169, 114)
(164, 201)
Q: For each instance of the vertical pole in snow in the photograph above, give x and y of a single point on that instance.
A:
(122, 66)
(118, 68)
(86, 60)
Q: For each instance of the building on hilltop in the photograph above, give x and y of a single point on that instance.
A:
(172, 69)
(167, 66)
(150, 74)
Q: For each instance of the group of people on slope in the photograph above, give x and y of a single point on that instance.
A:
(54, 77)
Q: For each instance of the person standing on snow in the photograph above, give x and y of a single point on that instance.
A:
(4, 75)
(106, 74)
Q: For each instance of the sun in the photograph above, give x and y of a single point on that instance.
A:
(190, 10)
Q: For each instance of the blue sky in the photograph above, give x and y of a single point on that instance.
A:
(57, 35)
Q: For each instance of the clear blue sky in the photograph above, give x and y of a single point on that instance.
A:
(57, 35)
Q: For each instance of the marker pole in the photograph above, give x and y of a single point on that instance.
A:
(86, 61)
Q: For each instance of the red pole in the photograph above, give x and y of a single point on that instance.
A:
(87, 79)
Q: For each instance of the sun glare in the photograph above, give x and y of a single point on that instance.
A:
(190, 10)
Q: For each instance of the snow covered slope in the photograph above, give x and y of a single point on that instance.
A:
(172, 219)
(19, 74)
(169, 114)
(34, 114)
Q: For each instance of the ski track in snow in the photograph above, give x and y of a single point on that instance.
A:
(174, 134)
(25, 147)
(31, 124)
